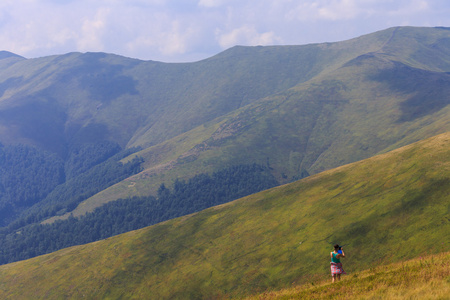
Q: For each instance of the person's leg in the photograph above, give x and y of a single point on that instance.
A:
(339, 277)
(333, 278)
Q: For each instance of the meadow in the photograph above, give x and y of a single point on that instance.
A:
(420, 278)
(386, 210)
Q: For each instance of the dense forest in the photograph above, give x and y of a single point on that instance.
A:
(200, 192)
(66, 197)
(27, 175)
(35, 184)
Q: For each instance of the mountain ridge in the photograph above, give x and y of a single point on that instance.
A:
(297, 110)
(95, 60)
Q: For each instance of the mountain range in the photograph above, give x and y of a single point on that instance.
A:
(81, 130)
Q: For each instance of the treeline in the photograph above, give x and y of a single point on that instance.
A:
(27, 175)
(208, 190)
(66, 197)
(85, 156)
(198, 193)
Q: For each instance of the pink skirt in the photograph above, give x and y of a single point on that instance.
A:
(336, 268)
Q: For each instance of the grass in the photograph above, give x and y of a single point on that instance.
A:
(420, 278)
(391, 203)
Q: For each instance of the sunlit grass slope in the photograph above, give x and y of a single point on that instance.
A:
(420, 278)
(385, 209)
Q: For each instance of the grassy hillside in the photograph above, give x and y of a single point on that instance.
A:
(421, 278)
(300, 109)
(395, 203)
(297, 110)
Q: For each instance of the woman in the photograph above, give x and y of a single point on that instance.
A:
(336, 265)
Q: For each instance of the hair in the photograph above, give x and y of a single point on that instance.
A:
(336, 247)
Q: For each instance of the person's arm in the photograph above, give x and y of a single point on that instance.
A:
(341, 255)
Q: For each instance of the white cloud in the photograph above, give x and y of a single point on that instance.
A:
(155, 34)
(175, 30)
(339, 10)
(175, 40)
(342, 10)
(92, 31)
(411, 8)
(210, 3)
(22, 30)
(329, 10)
(246, 35)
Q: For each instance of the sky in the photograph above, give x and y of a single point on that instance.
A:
(191, 30)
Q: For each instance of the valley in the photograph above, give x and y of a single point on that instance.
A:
(229, 177)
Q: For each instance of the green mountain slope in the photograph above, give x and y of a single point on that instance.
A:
(395, 203)
(297, 110)
(142, 103)
(76, 98)
(367, 100)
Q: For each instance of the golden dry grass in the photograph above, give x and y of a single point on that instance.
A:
(420, 278)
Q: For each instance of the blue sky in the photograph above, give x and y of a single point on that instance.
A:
(185, 30)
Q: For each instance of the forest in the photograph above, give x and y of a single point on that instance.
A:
(27, 175)
(186, 197)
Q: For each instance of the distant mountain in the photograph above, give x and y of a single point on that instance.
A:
(6, 54)
(82, 129)
(348, 101)
(78, 98)
(388, 208)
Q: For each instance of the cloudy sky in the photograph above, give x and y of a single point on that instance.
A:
(190, 30)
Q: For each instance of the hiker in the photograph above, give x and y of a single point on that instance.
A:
(336, 265)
